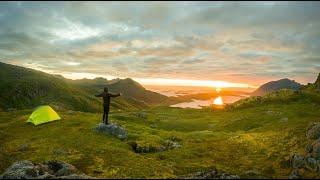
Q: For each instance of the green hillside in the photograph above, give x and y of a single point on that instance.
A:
(26, 88)
(23, 88)
(253, 137)
(259, 138)
(131, 90)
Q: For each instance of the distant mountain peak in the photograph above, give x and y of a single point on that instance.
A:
(129, 82)
(284, 83)
(100, 78)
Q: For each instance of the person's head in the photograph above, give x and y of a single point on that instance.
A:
(105, 89)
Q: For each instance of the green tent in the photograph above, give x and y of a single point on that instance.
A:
(43, 114)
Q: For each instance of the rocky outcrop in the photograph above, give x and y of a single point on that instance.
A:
(48, 170)
(310, 160)
(313, 131)
(210, 174)
(112, 129)
(151, 147)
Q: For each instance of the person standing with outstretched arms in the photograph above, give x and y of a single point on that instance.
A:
(106, 103)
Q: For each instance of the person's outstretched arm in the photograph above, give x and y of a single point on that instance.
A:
(98, 95)
(114, 95)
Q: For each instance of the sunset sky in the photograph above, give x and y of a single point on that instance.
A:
(187, 43)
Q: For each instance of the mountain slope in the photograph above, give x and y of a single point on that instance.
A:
(305, 94)
(26, 88)
(131, 89)
(276, 85)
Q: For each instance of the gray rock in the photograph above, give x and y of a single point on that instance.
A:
(311, 164)
(60, 168)
(316, 150)
(47, 170)
(295, 174)
(297, 161)
(149, 148)
(171, 144)
(145, 147)
(253, 174)
(313, 131)
(154, 125)
(309, 148)
(20, 170)
(113, 130)
(229, 176)
(210, 174)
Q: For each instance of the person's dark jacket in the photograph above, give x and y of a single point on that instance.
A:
(106, 97)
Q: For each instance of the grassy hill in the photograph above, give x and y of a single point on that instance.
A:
(26, 88)
(23, 88)
(255, 136)
(260, 138)
(276, 85)
(130, 89)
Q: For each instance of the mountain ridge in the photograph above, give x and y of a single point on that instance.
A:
(27, 88)
(271, 86)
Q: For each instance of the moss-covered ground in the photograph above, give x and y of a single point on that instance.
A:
(260, 138)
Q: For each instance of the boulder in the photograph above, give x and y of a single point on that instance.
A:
(228, 176)
(295, 174)
(143, 147)
(47, 170)
(313, 131)
(210, 174)
(151, 147)
(309, 148)
(112, 129)
(20, 170)
(316, 150)
(60, 168)
(311, 164)
(254, 174)
(171, 144)
(297, 161)
(153, 125)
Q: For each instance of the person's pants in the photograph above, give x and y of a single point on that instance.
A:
(105, 114)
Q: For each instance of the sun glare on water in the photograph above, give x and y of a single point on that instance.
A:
(218, 101)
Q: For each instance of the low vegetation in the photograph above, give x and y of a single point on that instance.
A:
(249, 141)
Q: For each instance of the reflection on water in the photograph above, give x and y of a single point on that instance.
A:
(197, 104)
(218, 101)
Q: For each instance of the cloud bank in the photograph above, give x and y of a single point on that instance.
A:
(243, 42)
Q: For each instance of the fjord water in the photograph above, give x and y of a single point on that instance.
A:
(197, 104)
